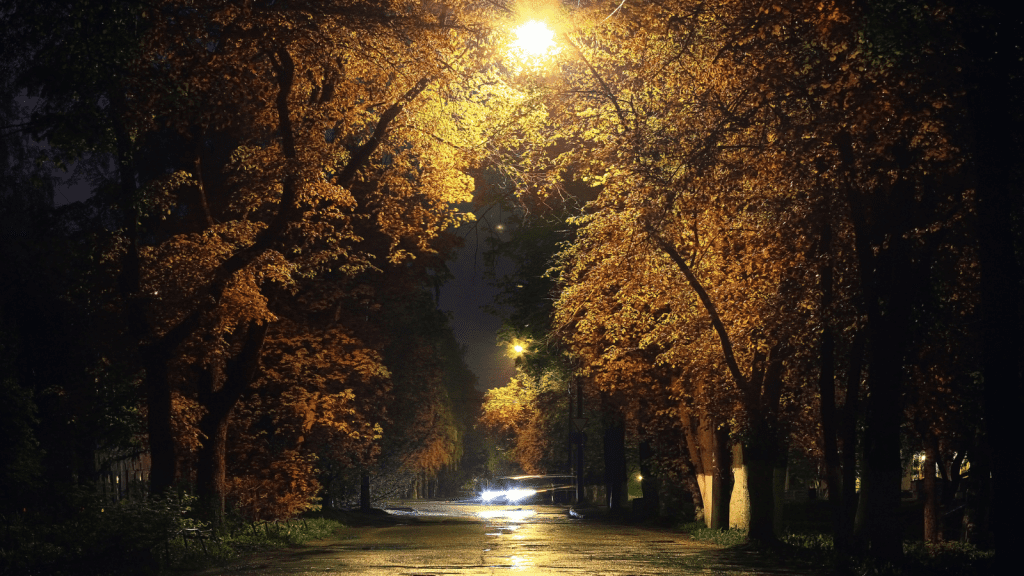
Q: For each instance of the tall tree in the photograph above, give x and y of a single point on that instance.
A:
(298, 150)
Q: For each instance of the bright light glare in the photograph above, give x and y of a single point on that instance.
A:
(512, 494)
(518, 349)
(534, 43)
(517, 494)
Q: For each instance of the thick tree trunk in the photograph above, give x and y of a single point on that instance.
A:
(211, 467)
(163, 457)
(760, 461)
(827, 380)
(882, 465)
(708, 447)
(211, 460)
(219, 391)
(721, 480)
(615, 465)
(739, 496)
(888, 283)
(779, 488)
(830, 429)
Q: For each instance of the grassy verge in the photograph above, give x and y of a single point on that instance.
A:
(814, 549)
(180, 554)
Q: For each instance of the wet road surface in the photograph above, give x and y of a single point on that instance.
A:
(462, 539)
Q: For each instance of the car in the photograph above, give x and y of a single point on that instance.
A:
(537, 488)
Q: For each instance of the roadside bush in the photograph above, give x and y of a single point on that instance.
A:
(86, 536)
(817, 549)
(241, 538)
(698, 531)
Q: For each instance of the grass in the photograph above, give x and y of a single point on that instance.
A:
(241, 540)
(816, 549)
(725, 538)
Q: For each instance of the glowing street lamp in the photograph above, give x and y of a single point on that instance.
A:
(534, 45)
(518, 347)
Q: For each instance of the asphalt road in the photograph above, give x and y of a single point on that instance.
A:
(444, 538)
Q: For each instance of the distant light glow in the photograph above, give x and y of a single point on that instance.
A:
(512, 495)
(518, 348)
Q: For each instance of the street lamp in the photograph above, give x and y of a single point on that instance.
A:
(533, 47)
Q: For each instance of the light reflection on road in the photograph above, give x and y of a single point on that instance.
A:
(517, 515)
(517, 535)
(470, 538)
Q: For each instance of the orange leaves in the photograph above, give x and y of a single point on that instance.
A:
(278, 488)
(520, 415)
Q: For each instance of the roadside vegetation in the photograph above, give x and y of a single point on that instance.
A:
(816, 549)
(140, 536)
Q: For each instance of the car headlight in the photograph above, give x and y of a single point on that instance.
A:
(517, 494)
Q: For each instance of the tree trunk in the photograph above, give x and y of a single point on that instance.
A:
(882, 464)
(779, 489)
(848, 432)
(218, 392)
(162, 454)
(976, 522)
(615, 465)
(364, 492)
(211, 467)
(211, 460)
(932, 513)
(739, 496)
(649, 483)
(721, 480)
(707, 444)
(760, 455)
(829, 428)
(827, 380)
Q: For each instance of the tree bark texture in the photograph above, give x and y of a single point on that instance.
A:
(930, 485)
(707, 444)
(219, 391)
(364, 492)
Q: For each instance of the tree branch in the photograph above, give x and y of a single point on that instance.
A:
(709, 306)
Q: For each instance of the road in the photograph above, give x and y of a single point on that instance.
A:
(456, 539)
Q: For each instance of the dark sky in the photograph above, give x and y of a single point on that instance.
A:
(464, 297)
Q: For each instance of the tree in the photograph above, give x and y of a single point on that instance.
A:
(298, 150)
(718, 207)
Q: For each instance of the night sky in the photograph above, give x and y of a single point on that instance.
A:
(464, 297)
